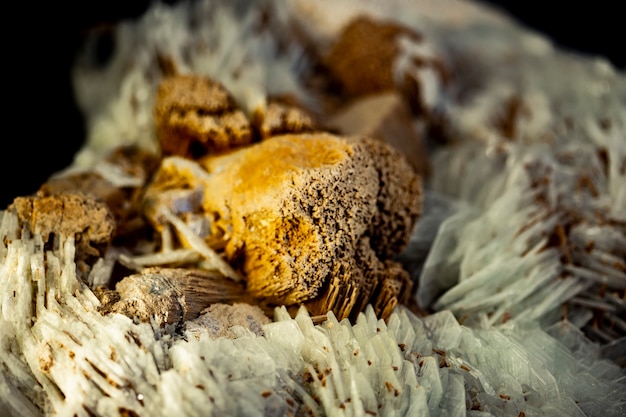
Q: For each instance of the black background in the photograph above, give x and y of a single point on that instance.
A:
(43, 128)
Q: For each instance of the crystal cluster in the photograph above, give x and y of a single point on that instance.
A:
(62, 357)
(543, 233)
(518, 259)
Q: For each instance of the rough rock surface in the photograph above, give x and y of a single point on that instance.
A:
(84, 217)
(305, 216)
(219, 319)
(197, 115)
(372, 56)
(283, 115)
(374, 62)
(169, 295)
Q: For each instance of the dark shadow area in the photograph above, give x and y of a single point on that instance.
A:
(44, 127)
(591, 28)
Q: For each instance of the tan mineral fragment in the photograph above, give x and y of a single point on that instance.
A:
(283, 116)
(169, 295)
(218, 320)
(372, 56)
(305, 216)
(371, 47)
(83, 217)
(196, 115)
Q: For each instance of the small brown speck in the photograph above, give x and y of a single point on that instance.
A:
(125, 412)
(266, 394)
(45, 360)
(308, 377)
(113, 355)
(585, 182)
(505, 397)
(506, 317)
(390, 386)
(605, 123)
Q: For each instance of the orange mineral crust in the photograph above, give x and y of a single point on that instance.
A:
(304, 214)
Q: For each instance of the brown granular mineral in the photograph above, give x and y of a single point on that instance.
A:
(283, 115)
(196, 115)
(83, 217)
(362, 58)
(310, 218)
(373, 56)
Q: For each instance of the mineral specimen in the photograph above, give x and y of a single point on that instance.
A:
(397, 58)
(196, 115)
(82, 217)
(169, 295)
(517, 256)
(308, 218)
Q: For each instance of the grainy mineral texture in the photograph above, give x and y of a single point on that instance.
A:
(196, 115)
(82, 217)
(264, 265)
(303, 214)
(374, 62)
(219, 319)
(117, 180)
(169, 295)
(283, 115)
(375, 55)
